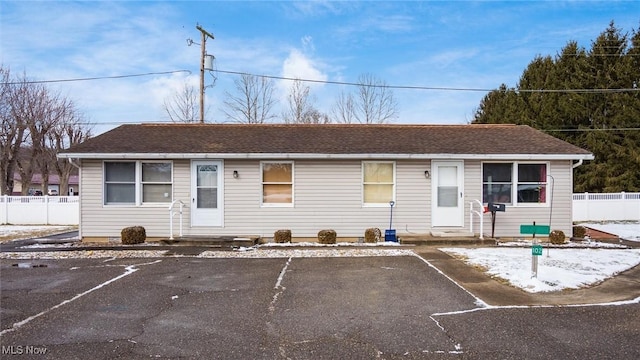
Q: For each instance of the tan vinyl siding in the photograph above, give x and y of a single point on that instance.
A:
(327, 195)
(100, 220)
(508, 222)
(473, 191)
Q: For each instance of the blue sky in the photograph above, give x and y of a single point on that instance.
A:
(454, 44)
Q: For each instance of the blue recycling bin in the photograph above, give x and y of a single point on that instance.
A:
(390, 235)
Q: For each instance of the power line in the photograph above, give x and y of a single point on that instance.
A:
(410, 87)
(345, 83)
(95, 78)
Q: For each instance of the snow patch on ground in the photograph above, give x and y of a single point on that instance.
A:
(26, 230)
(558, 269)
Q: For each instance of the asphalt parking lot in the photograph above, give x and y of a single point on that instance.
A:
(284, 308)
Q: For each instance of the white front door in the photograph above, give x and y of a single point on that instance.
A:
(206, 193)
(447, 193)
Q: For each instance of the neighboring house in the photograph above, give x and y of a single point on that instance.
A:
(54, 185)
(239, 180)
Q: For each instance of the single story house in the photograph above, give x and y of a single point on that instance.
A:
(240, 180)
(53, 185)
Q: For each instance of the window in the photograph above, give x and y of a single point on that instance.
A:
(125, 179)
(156, 182)
(496, 183)
(514, 183)
(120, 183)
(277, 183)
(532, 183)
(378, 182)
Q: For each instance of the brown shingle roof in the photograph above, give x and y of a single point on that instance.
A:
(324, 139)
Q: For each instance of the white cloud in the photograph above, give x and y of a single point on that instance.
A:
(298, 66)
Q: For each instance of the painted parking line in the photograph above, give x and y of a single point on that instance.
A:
(128, 271)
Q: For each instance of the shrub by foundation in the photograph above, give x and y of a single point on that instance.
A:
(556, 237)
(327, 236)
(579, 232)
(133, 235)
(372, 235)
(282, 236)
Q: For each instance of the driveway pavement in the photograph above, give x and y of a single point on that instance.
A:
(284, 308)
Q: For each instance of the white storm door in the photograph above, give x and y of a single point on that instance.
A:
(447, 193)
(206, 193)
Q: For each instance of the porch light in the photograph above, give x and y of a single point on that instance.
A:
(235, 174)
(427, 174)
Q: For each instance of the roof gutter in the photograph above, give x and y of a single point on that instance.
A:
(313, 156)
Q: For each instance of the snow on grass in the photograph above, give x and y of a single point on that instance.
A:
(558, 269)
(17, 232)
(582, 245)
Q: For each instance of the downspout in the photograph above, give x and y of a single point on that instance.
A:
(573, 166)
(79, 202)
(579, 163)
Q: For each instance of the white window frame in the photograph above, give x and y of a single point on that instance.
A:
(138, 184)
(263, 183)
(515, 181)
(362, 183)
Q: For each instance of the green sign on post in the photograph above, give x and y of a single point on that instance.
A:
(535, 229)
(536, 250)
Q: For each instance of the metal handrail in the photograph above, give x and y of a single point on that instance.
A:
(479, 213)
(172, 213)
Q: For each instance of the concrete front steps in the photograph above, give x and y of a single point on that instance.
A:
(444, 238)
(213, 241)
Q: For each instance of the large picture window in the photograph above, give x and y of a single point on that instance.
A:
(378, 182)
(124, 180)
(277, 183)
(514, 183)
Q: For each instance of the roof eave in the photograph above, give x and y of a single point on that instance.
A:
(302, 156)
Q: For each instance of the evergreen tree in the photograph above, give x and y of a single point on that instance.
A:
(589, 98)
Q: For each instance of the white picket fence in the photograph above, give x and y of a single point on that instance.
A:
(65, 210)
(606, 207)
(39, 210)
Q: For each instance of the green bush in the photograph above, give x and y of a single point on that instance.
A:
(282, 236)
(133, 235)
(327, 236)
(556, 237)
(372, 235)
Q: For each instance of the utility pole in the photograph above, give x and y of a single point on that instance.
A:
(203, 51)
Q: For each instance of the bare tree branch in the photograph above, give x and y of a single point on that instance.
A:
(300, 110)
(254, 102)
(184, 105)
(344, 109)
(29, 112)
(373, 103)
